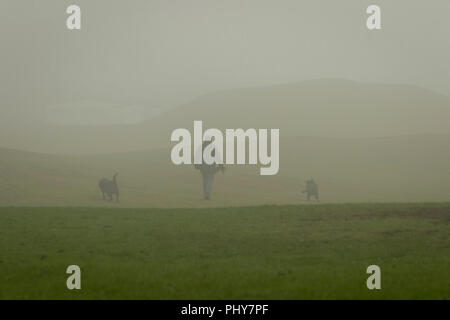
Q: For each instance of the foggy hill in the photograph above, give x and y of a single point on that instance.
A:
(326, 108)
(319, 108)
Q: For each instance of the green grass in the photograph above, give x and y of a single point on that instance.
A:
(267, 252)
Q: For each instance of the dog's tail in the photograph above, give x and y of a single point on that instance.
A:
(114, 178)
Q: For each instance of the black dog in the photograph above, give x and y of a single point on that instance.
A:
(109, 187)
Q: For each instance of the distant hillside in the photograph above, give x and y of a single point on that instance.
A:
(325, 108)
(319, 108)
(389, 169)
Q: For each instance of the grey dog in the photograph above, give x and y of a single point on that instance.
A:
(109, 187)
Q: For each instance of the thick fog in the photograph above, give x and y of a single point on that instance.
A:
(134, 59)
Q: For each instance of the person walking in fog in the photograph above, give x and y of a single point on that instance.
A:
(208, 171)
(311, 189)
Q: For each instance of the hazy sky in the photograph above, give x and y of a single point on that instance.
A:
(145, 54)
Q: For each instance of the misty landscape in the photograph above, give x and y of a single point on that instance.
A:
(392, 147)
(364, 114)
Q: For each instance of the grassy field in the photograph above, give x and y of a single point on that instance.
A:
(265, 252)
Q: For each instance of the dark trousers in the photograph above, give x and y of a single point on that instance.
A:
(208, 180)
